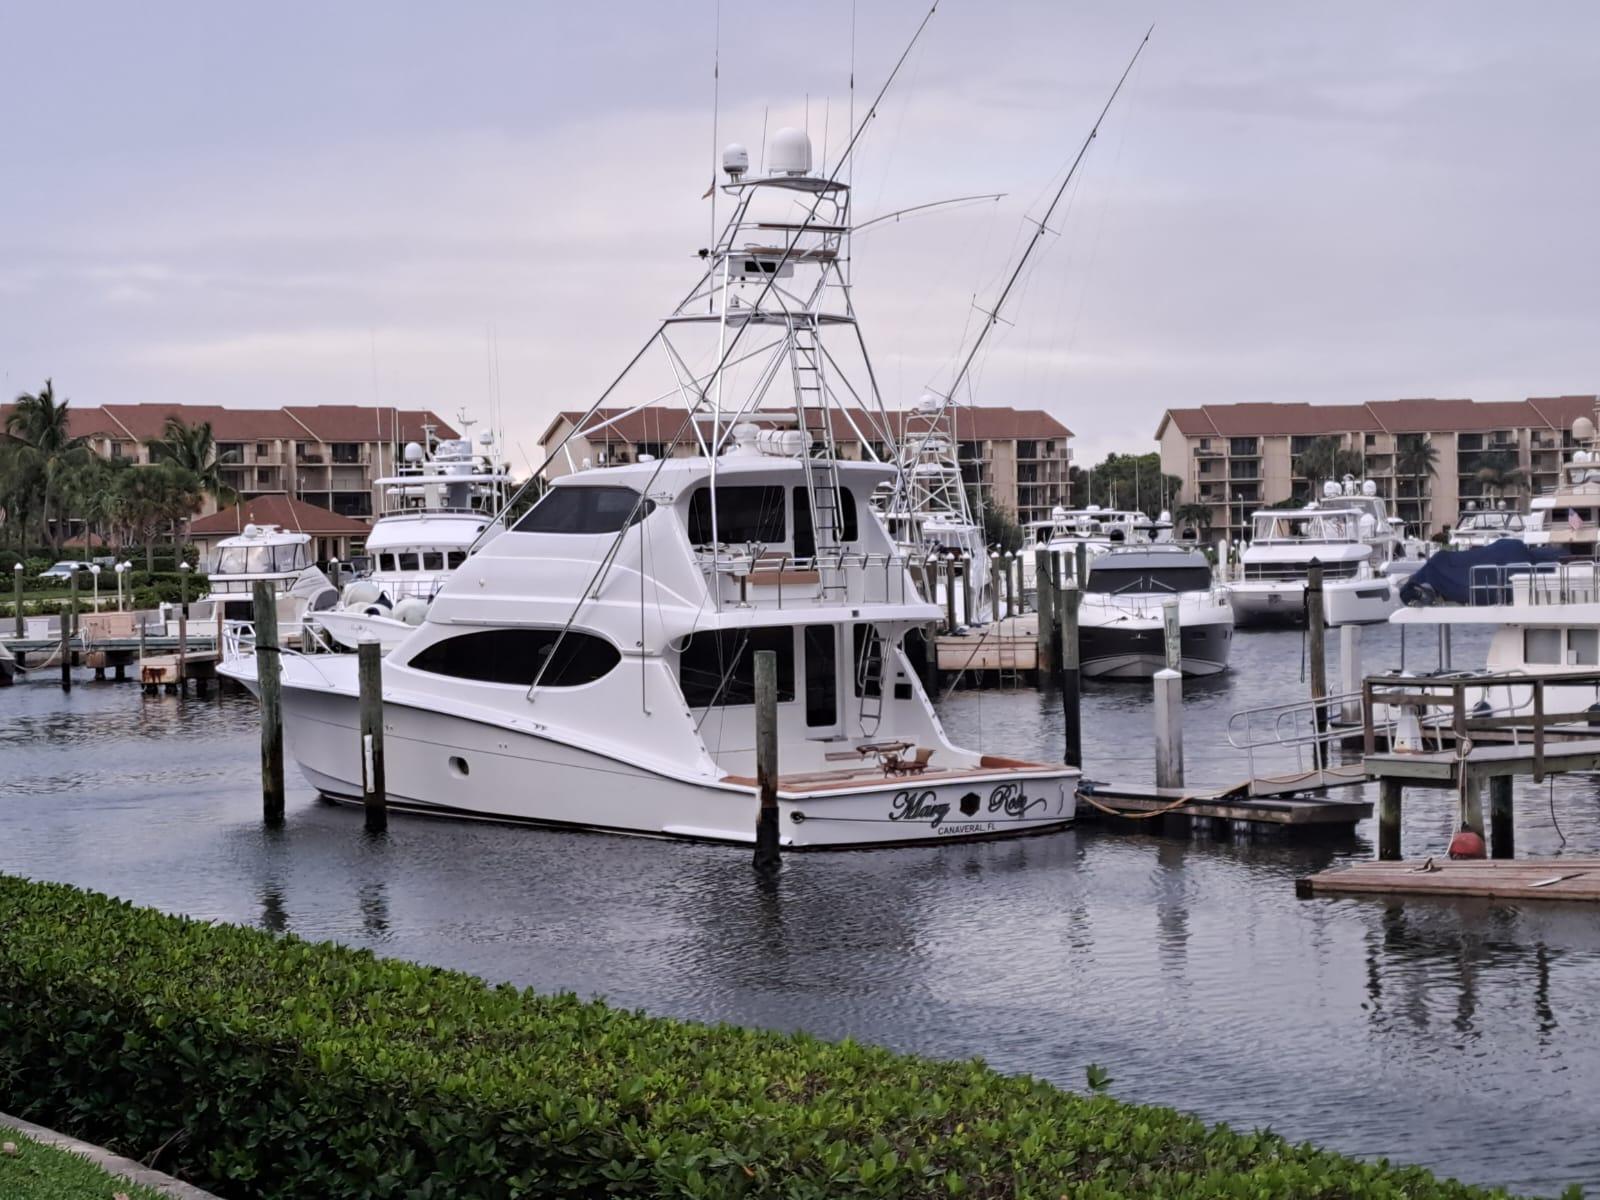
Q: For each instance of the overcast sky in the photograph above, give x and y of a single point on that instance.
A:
(315, 203)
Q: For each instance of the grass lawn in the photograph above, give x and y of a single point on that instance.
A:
(38, 1172)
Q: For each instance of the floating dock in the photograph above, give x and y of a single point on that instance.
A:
(1573, 879)
(1004, 651)
(1292, 810)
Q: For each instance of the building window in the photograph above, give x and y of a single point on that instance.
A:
(1245, 446)
(263, 477)
(514, 656)
(718, 667)
(1372, 439)
(230, 452)
(654, 449)
(1205, 443)
(352, 504)
(346, 452)
(1299, 444)
(263, 449)
(1027, 449)
(307, 453)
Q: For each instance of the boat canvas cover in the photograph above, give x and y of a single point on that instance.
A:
(1448, 575)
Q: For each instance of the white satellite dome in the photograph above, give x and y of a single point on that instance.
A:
(413, 452)
(929, 402)
(735, 159)
(486, 438)
(1583, 430)
(251, 531)
(1330, 488)
(790, 153)
(1369, 488)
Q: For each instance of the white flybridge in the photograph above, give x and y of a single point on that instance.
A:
(593, 665)
(281, 558)
(435, 508)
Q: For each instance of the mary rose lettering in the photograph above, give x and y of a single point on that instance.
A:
(917, 806)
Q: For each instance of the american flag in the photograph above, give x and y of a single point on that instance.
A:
(1574, 520)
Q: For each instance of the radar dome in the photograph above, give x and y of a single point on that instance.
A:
(1583, 429)
(1369, 488)
(928, 402)
(413, 452)
(1330, 488)
(735, 159)
(486, 438)
(790, 153)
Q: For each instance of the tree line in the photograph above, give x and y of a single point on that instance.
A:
(54, 489)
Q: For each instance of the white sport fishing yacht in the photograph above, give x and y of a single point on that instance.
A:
(1350, 533)
(280, 557)
(1121, 617)
(441, 502)
(593, 665)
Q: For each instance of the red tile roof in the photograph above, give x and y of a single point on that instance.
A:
(147, 422)
(366, 423)
(974, 423)
(281, 510)
(83, 420)
(1389, 416)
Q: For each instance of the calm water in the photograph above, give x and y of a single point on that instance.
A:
(1461, 1035)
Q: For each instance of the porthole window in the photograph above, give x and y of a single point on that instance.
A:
(515, 656)
(458, 767)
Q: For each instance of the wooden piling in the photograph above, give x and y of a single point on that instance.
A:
(1390, 791)
(1316, 630)
(1502, 836)
(269, 681)
(69, 623)
(183, 628)
(766, 688)
(1350, 673)
(1472, 804)
(375, 798)
(1169, 728)
(1012, 607)
(969, 591)
(995, 593)
(1172, 633)
(1045, 604)
(950, 593)
(1070, 681)
(16, 575)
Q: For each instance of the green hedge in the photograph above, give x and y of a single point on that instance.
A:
(271, 1066)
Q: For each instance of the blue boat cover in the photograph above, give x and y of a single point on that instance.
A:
(1449, 575)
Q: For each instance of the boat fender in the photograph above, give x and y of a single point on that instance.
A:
(362, 592)
(1467, 844)
(411, 610)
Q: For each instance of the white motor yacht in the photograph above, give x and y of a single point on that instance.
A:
(593, 665)
(1121, 616)
(1350, 533)
(281, 558)
(1480, 526)
(435, 509)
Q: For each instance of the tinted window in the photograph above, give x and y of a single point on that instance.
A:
(455, 558)
(744, 514)
(514, 656)
(804, 544)
(584, 510)
(822, 687)
(408, 560)
(433, 560)
(1167, 579)
(719, 667)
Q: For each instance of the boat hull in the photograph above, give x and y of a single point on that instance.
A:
(350, 629)
(445, 764)
(1136, 649)
(1283, 601)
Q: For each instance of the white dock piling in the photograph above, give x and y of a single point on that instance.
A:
(1169, 728)
(1350, 673)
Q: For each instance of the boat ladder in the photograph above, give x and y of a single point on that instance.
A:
(822, 480)
(869, 681)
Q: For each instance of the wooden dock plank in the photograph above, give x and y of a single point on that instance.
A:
(1440, 766)
(1559, 878)
(1227, 803)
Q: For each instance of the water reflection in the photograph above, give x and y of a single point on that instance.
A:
(1460, 1034)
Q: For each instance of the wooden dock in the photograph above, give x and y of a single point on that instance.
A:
(1562, 878)
(1235, 804)
(1001, 651)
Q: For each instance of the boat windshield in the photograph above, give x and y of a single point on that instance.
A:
(260, 560)
(1115, 580)
(1298, 525)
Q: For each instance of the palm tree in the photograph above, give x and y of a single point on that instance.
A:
(1195, 516)
(1418, 458)
(194, 449)
(41, 426)
(181, 497)
(141, 502)
(1326, 458)
(1497, 472)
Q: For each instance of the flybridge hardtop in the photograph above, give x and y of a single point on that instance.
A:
(593, 665)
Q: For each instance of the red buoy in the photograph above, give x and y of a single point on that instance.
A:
(1466, 844)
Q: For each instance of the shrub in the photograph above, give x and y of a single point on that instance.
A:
(276, 1067)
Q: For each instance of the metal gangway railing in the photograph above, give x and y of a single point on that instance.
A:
(1566, 581)
(1297, 741)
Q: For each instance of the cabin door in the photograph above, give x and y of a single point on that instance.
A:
(821, 646)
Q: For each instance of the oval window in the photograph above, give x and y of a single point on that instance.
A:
(515, 656)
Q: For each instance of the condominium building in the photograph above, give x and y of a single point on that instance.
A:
(323, 454)
(1236, 458)
(1016, 458)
